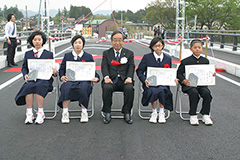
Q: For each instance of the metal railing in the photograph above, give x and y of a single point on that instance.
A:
(22, 36)
(217, 37)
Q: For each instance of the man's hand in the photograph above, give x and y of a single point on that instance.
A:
(8, 41)
(128, 80)
(108, 80)
(186, 82)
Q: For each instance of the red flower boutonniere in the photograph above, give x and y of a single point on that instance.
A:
(166, 66)
(83, 61)
(115, 63)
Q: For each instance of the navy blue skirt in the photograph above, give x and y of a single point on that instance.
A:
(75, 91)
(161, 93)
(40, 87)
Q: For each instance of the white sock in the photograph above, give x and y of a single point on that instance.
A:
(154, 110)
(40, 110)
(84, 110)
(65, 110)
(29, 111)
(161, 110)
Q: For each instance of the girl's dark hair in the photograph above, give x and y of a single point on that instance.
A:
(76, 37)
(194, 41)
(9, 16)
(114, 33)
(154, 41)
(31, 37)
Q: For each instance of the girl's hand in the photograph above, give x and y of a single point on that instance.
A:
(146, 83)
(25, 78)
(64, 79)
(95, 80)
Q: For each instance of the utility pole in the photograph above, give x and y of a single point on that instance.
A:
(180, 18)
(121, 18)
(45, 20)
(26, 22)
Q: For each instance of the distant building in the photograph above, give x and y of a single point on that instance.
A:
(101, 26)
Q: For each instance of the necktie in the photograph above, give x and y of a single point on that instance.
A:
(115, 80)
(117, 57)
(36, 54)
(159, 60)
(13, 29)
(78, 58)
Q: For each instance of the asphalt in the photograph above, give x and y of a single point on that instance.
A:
(175, 140)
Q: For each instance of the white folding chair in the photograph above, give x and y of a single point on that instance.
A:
(54, 94)
(116, 109)
(75, 113)
(144, 112)
(179, 109)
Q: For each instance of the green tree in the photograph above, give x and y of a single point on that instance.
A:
(139, 16)
(65, 12)
(13, 10)
(163, 12)
(214, 13)
(76, 12)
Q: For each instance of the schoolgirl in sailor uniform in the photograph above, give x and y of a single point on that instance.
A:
(39, 88)
(75, 90)
(160, 93)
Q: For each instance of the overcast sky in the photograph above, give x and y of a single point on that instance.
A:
(133, 5)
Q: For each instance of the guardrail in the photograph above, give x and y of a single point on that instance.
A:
(22, 36)
(222, 38)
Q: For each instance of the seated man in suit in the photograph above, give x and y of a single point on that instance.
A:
(117, 70)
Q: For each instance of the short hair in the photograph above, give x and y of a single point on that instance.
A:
(194, 41)
(31, 37)
(114, 33)
(76, 37)
(154, 41)
(9, 16)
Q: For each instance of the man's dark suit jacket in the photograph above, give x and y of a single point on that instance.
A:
(124, 70)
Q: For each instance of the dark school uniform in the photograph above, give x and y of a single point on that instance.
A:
(77, 90)
(194, 92)
(151, 94)
(40, 87)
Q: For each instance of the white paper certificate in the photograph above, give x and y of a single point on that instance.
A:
(161, 76)
(203, 73)
(81, 71)
(43, 67)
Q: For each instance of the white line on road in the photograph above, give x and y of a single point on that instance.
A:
(228, 79)
(10, 81)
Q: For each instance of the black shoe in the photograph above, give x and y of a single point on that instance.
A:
(15, 64)
(127, 118)
(9, 65)
(107, 118)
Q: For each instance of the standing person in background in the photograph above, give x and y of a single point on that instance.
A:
(155, 31)
(11, 33)
(158, 31)
(163, 31)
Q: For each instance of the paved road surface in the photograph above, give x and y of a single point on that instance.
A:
(175, 140)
